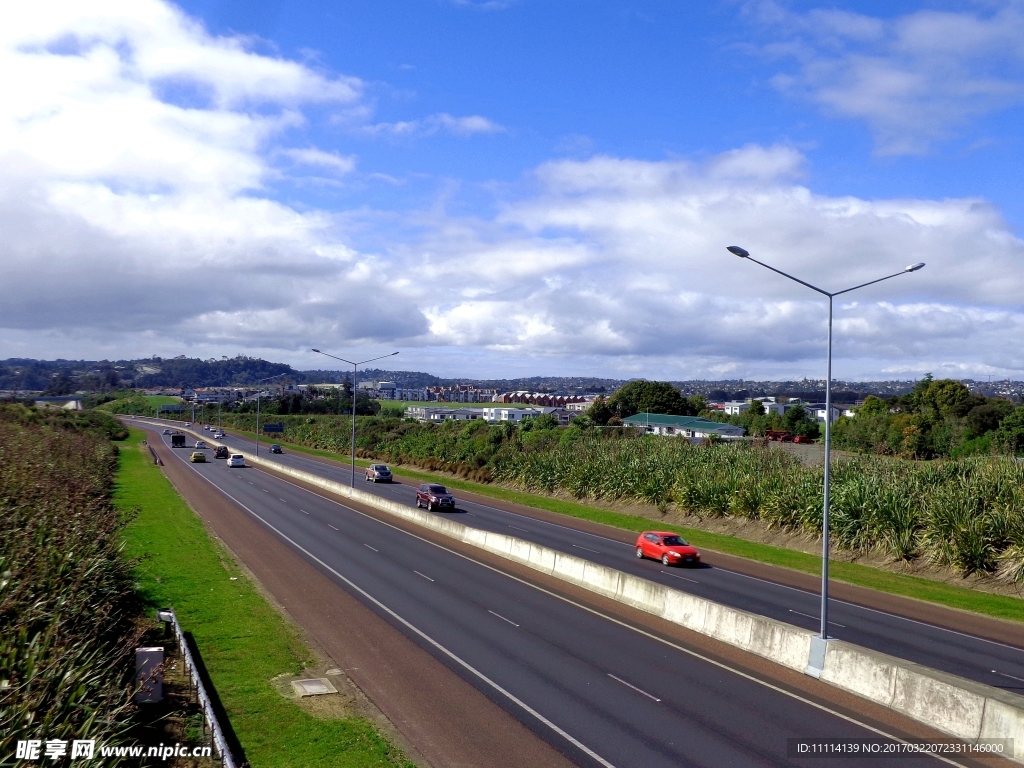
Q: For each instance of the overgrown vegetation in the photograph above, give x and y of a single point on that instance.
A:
(69, 617)
(966, 514)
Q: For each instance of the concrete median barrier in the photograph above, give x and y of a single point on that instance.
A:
(961, 708)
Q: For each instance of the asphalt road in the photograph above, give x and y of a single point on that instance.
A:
(960, 653)
(598, 690)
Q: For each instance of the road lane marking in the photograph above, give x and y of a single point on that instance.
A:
(509, 620)
(677, 576)
(619, 622)
(630, 685)
(586, 550)
(425, 577)
(369, 547)
(1012, 677)
(524, 530)
(331, 526)
(280, 499)
(816, 618)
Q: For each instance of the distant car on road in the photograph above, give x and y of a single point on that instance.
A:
(218, 435)
(177, 441)
(434, 496)
(275, 448)
(221, 452)
(200, 443)
(236, 460)
(666, 546)
(167, 431)
(378, 473)
(188, 423)
(197, 457)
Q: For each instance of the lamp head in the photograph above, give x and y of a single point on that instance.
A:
(914, 267)
(737, 251)
(317, 350)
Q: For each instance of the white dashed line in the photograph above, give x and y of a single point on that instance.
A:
(502, 618)
(677, 576)
(331, 526)
(586, 550)
(628, 685)
(369, 547)
(815, 617)
(425, 577)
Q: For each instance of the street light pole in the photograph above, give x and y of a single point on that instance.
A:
(276, 375)
(355, 374)
(744, 254)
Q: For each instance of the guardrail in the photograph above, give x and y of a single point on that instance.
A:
(220, 745)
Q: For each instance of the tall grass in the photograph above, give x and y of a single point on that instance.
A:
(67, 605)
(966, 514)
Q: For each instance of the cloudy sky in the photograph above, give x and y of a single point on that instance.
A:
(513, 187)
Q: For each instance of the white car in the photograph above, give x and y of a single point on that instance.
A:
(236, 460)
(200, 443)
(218, 435)
(188, 423)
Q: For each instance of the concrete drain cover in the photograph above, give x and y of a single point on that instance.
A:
(315, 687)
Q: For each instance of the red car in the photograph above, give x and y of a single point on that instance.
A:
(434, 497)
(666, 546)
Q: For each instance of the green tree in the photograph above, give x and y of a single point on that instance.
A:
(599, 412)
(1010, 434)
(649, 397)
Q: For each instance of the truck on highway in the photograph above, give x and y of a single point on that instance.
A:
(177, 441)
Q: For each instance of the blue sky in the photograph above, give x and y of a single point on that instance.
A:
(505, 188)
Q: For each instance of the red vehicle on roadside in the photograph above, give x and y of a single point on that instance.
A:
(668, 547)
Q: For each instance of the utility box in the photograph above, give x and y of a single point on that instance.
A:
(149, 675)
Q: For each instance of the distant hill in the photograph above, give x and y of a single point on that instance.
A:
(61, 377)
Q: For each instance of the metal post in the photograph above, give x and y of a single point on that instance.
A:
(257, 423)
(744, 254)
(828, 478)
(355, 374)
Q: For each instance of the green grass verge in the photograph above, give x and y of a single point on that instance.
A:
(244, 642)
(998, 606)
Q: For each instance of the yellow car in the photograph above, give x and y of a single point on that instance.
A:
(197, 457)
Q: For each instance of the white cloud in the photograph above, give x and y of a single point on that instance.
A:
(428, 126)
(915, 79)
(331, 160)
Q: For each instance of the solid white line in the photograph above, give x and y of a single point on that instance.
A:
(816, 618)
(586, 550)
(331, 526)
(465, 665)
(687, 651)
(369, 547)
(628, 685)
(502, 618)
(425, 577)
(677, 576)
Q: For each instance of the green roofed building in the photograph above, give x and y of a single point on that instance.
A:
(692, 427)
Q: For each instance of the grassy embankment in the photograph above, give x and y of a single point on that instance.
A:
(244, 642)
(998, 606)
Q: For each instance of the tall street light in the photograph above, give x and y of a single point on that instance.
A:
(355, 373)
(275, 376)
(744, 254)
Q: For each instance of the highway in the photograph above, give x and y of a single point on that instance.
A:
(958, 653)
(602, 692)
